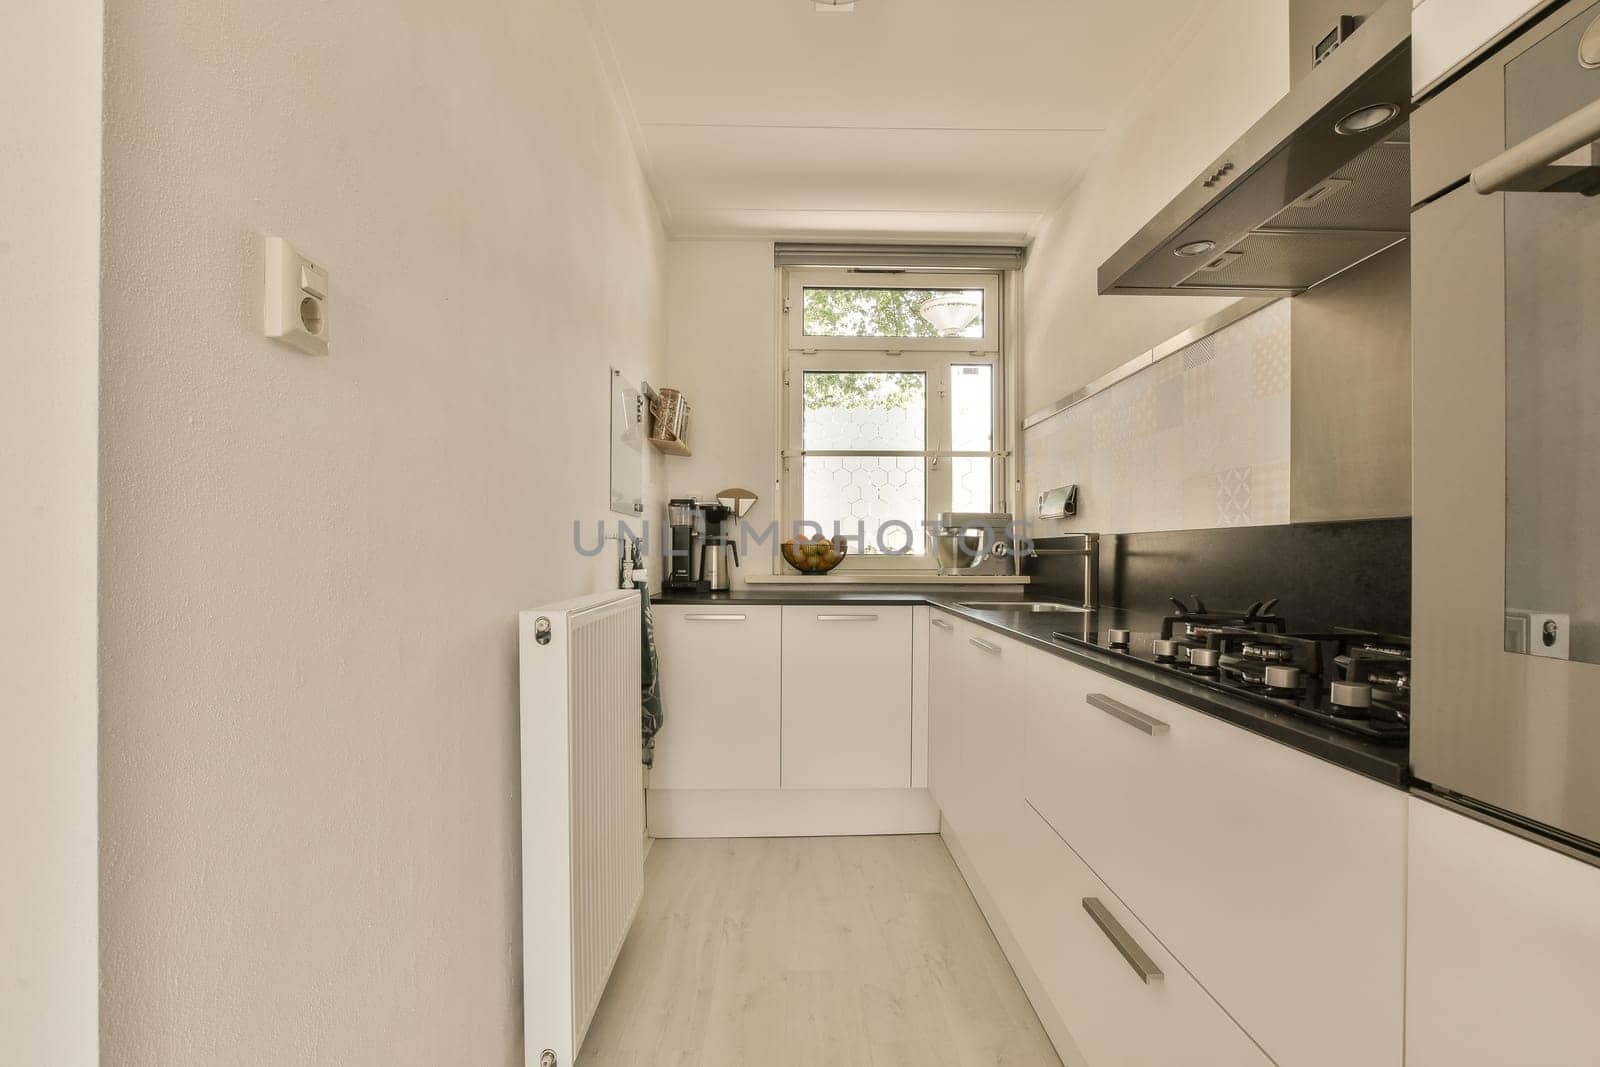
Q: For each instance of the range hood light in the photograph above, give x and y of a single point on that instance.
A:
(1194, 248)
(1367, 118)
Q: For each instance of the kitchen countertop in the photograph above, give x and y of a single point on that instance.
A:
(1386, 763)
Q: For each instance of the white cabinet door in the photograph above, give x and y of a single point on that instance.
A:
(1503, 948)
(720, 681)
(1252, 861)
(945, 677)
(846, 697)
(989, 801)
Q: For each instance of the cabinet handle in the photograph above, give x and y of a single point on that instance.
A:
(1132, 716)
(941, 624)
(986, 646)
(715, 618)
(846, 618)
(1137, 958)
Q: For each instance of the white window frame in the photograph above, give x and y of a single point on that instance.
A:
(934, 357)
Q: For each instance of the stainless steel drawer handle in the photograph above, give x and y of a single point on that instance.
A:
(986, 646)
(1137, 958)
(1520, 168)
(1132, 716)
(846, 618)
(941, 624)
(715, 618)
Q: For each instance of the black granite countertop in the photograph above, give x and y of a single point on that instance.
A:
(1387, 763)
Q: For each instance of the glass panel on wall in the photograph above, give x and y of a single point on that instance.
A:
(865, 411)
(879, 499)
(887, 312)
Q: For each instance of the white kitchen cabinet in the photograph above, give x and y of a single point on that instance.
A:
(987, 804)
(846, 697)
(1503, 948)
(1446, 33)
(945, 722)
(1117, 1015)
(1276, 878)
(720, 691)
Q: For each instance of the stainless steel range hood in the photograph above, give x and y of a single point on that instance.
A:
(1305, 193)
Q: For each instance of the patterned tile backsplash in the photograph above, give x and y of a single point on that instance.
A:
(1198, 440)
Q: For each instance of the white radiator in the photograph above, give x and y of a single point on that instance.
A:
(582, 812)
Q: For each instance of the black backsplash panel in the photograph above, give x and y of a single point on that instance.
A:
(1325, 574)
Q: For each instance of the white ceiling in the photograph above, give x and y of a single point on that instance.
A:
(962, 119)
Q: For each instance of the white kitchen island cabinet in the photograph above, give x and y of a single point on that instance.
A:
(1503, 948)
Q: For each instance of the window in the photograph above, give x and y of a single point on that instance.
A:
(893, 401)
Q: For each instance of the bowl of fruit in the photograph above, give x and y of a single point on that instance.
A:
(816, 556)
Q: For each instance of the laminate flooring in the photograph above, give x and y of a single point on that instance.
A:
(837, 951)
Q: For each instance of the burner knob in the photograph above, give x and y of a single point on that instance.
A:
(1118, 638)
(1204, 659)
(1281, 677)
(1165, 651)
(1352, 694)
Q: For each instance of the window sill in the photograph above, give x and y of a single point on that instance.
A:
(884, 578)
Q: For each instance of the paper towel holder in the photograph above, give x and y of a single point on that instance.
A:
(1059, 503)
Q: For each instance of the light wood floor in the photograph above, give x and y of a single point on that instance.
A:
(811, 952)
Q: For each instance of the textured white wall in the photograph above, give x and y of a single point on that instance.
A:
(312, 567)
(722, 352)
(1231, 66)
(49, 277)
(1199, 440)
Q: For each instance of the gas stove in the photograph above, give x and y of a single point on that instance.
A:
(1354, 681)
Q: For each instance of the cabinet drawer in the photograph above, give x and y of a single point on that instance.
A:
(1276, 878)
(846, 697)
(1115, 1016)
(719, 697)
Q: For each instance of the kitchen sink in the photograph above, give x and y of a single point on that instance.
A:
(1022, 605)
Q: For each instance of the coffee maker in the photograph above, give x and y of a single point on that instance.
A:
(685, 531)
(701, 553)
(718, 553)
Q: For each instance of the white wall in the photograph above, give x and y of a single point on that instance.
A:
(312, 567)
(722, 352)
(1232, 66)
(49, 275)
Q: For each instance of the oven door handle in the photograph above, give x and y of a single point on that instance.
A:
(1539, 165)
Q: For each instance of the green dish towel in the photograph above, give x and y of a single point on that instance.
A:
(649, 680)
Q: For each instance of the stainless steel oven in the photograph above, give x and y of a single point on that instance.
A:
(1506, 430)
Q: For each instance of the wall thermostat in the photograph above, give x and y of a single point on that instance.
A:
(296, 298)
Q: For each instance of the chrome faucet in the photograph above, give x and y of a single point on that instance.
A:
(1090, 552)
